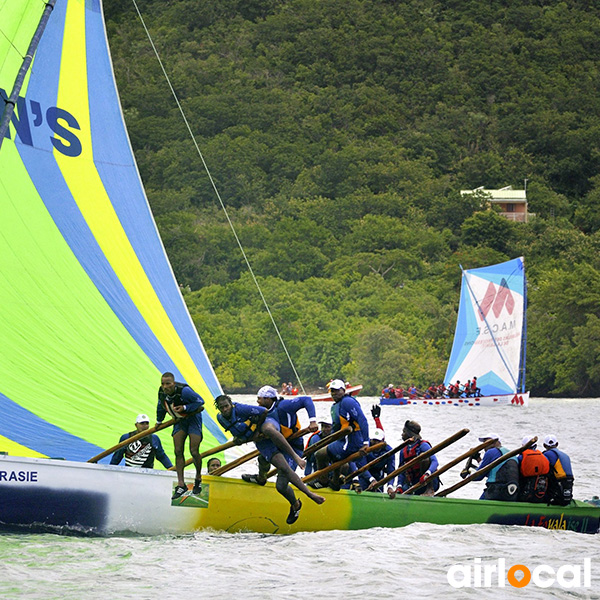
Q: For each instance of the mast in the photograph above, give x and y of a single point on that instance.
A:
(35, 40)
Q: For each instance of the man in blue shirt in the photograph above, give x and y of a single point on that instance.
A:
(245, 423)
(283, 412)
(141, 452)
(503, 480)
(561, 474)
(345, 411)
(185, 405)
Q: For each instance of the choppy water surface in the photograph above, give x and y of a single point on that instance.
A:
(385, 563)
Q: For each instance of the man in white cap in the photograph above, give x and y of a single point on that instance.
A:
(561, 473)
(141, 452)
(503, 480)
(345, 411)
(284, 415)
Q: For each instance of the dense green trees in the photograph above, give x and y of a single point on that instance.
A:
(339, 135)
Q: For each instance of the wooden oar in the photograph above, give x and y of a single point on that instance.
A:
(469, 454)
(209, 452)
(240, 461)
(332, 437)
(133, 438)
(374, 462)
(487, 468)
(423, 455)
(341, 463)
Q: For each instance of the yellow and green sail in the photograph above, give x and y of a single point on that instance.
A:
(91, 311)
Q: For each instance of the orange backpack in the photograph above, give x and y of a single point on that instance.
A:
(534, 463)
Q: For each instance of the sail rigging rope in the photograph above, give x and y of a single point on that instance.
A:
(218, 195)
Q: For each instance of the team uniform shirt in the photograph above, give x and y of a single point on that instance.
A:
(285, 414)
(382, 468)
(185, 396)
(244, 420)
(311, 461)
(559, 462)
(141, 453)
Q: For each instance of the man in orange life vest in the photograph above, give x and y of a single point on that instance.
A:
(534, 469)
(421, 469)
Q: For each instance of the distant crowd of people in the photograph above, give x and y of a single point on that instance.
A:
(468, 389)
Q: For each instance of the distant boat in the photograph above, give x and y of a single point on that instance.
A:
(490, 338)
(352, 390)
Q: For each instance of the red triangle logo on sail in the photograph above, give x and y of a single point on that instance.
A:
(496, 299)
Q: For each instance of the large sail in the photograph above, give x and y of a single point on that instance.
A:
(490, 333)
(91, 311)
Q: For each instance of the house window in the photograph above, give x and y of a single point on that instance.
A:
(510, 208)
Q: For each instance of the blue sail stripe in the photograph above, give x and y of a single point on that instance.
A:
(116, 166)
(18, 424)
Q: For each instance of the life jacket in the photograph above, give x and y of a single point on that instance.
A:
(174, 399)
(534, 469)
(534, 463)
(413, 474)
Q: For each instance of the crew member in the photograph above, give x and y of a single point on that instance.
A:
(141, 452)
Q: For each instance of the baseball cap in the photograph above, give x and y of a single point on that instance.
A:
(337, 384)
(526, 439)
(142, 419)
(490, 436)
(378, 435)
(266, 391)
(550, 441)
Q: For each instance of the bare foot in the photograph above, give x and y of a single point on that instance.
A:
(316, 498)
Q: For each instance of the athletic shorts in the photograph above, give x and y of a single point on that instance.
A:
(268, 450)
(343, 448)
(192, 425)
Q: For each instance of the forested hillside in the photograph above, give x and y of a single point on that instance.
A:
(339, 134)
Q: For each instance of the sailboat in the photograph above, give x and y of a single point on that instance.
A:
(92, 315)
(490, 340)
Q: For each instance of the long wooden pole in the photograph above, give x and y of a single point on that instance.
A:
(341, 463)
(133, 438)
(240, 461)
(469, 454)
(423, 455)
(210, 452)
(374, 462)
(487, 468)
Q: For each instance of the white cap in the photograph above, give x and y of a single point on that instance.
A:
(489, 436)
(266, 391)
(378, 435)
(337, 384)
(526, 439)
(142, 419)
(550, 441)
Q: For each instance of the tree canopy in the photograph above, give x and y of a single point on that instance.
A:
(339, 135)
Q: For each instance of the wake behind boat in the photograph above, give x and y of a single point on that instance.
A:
(489, 342)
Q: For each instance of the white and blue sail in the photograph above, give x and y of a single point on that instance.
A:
(490, 337)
